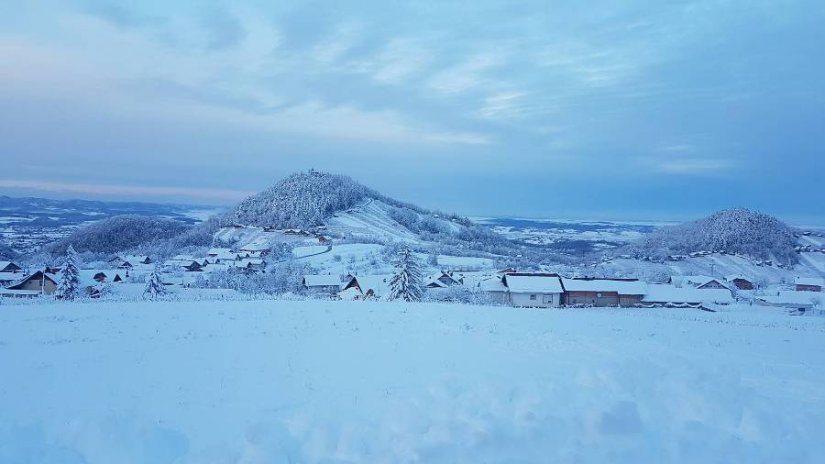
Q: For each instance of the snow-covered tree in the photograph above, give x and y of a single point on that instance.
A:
(154, 286)
(406, 282)
(69, 285)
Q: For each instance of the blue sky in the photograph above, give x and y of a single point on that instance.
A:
(633, 109)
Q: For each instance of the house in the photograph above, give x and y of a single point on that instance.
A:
(684, 297)
(128, 262)
(10, 267)
(39, 283)
(214, 252)
(323, 284)
(698, 281)
(799, 300)
(250, 264)
(495, 289)
(255, 250)
(533, 290)
(184, 263)
(740, 282)
(370, 287)
(603, 292)
(809, 284)
(223, 257)
(443, 280)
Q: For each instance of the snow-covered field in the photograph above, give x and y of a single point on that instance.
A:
(311, 381)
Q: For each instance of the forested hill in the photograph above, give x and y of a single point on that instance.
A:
(738, 231)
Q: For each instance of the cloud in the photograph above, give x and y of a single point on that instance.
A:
(694, 166)
(467, 75)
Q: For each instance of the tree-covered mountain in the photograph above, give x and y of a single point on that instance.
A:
(739, 231)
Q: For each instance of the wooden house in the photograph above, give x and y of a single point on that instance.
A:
(740, 282)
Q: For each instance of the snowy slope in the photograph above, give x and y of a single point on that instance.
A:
(371, 220)
(312, 382)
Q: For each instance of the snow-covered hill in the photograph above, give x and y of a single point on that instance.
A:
(736, 231)
(337, 207)
(360, 382)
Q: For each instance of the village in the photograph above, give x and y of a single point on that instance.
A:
(445, 278)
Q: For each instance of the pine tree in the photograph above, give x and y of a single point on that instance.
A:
(406, 283)
(69, 287)
(154, 286)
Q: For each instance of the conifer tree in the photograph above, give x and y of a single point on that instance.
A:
(154, 286)
(69, 286)
(406, 282)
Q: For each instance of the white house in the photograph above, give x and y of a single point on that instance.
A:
(322, 284)
(533, 290)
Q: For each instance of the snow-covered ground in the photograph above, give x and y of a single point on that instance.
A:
(312, 381)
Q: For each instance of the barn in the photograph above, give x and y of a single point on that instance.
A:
(603, 292)
(809, 284)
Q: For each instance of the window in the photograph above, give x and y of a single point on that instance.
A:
(532, 297)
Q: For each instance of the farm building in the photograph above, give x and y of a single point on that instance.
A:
(603, 292)
(809, 284)
(533, 290)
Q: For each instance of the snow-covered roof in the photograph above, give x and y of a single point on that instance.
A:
(218, 251)
(10, 276)
(256, 246)
(379, 284)
(664, 293)
(492, 284)
(322, 280)
(732, 277)
(349, 294)
(695, 280)
(815, 281)
(792, 299)
(533, 283)
(5, 264)
(622, 287)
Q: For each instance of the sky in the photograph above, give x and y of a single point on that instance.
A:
(639, 109)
